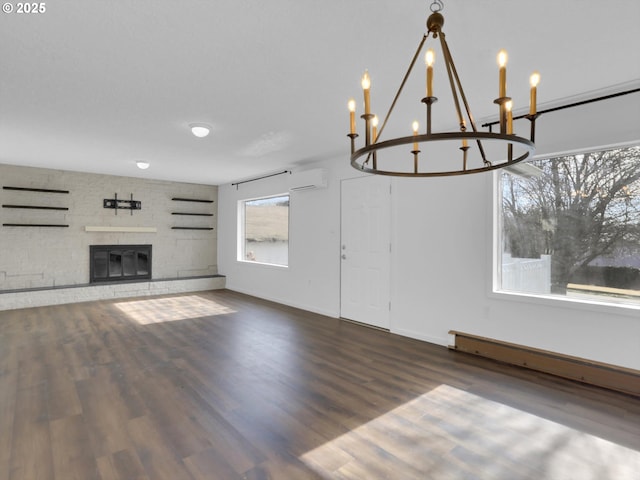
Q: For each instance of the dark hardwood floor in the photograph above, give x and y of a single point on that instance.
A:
(219, 385)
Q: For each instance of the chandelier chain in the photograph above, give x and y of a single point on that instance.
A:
(436, 6)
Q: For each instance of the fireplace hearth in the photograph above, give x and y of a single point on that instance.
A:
(119, 263)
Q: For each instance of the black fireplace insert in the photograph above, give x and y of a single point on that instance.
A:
(119, 263)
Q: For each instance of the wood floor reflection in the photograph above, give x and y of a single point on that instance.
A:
(219, 385)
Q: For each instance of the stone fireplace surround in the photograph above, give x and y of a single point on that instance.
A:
(118, 286)
(38, 297)
(50, 266)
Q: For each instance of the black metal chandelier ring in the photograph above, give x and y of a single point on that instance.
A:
(367, 154)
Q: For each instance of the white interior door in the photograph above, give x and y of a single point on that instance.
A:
(366, 250)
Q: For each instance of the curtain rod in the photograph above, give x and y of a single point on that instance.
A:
(259, 178)
(570, 105)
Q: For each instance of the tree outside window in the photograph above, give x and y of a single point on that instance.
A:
(573, 228)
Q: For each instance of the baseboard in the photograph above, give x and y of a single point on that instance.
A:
(604, 375)
(307, 308)
(418, 336)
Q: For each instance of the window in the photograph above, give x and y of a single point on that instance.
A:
(264, 230)
(570, 226)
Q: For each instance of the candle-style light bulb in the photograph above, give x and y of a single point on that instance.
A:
(366, 80)
(429, 59)
(534, 80)
(502, 58)
(415, 125)
(352, 116)
(502, 63)
(374, 125)
(366, 86)
(509, 108)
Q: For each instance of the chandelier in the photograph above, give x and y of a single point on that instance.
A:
(469, 151)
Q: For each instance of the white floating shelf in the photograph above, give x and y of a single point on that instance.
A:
(122, 229)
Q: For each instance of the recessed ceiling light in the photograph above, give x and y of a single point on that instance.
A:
(200, 130)
(143, 165)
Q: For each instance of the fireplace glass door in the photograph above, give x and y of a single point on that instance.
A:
(113, 263)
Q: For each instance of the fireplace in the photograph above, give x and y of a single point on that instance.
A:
(119, 263)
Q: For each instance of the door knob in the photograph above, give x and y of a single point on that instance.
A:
(343, 256)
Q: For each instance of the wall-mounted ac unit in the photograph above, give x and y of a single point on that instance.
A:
(308, 179)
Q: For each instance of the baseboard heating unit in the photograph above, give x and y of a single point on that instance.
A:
(604, 375)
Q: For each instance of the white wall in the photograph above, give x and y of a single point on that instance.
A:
(312, 279)
(442, 254)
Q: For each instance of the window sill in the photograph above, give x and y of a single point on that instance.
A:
(573, 303)
(265, 265)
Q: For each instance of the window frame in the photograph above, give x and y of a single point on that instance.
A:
(593, 304)
(240, 237)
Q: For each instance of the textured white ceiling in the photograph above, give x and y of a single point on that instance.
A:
(96, 85)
